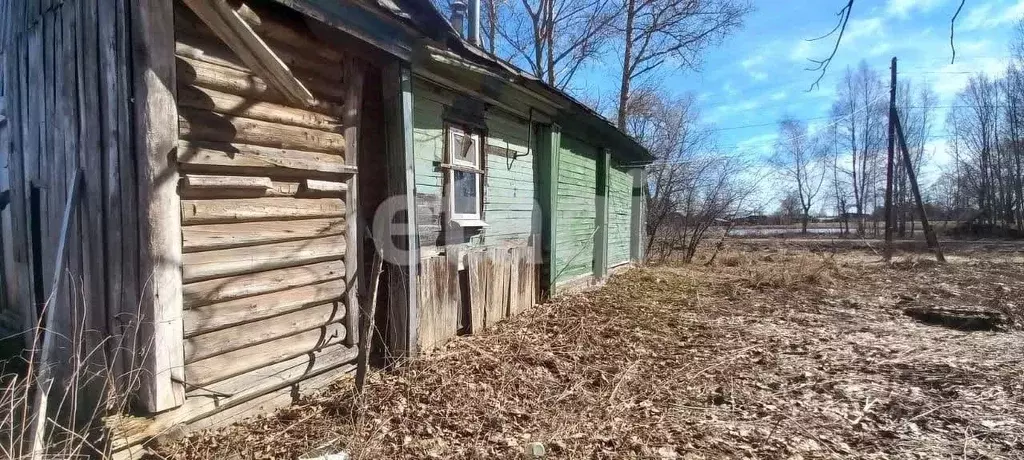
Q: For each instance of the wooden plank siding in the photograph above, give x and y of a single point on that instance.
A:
(576, 213)
(510, 201)
(620, 202)
(58, 75)
(267, 208)
(497, 261)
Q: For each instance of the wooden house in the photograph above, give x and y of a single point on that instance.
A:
(198, 189)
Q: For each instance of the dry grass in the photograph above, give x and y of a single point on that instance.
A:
(83, 387)
(774, 352)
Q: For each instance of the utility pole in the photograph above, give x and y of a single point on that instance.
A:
(929, 233)
(888, 163)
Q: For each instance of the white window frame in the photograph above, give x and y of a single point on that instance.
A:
(454, 164)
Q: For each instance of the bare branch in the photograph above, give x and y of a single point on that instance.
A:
(952, 25)
(822, 65)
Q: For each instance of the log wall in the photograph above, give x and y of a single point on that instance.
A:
(265, 212)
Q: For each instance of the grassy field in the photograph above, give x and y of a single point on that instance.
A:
(777, 350)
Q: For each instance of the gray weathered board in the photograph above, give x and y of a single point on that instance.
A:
(439, 301)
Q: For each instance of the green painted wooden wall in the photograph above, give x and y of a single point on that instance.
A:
(620, 201)
(509, 188)
(576, 210)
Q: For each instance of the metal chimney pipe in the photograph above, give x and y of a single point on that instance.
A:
(459, 17)
(474, 22)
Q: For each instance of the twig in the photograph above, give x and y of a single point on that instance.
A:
(822, 65)
(368, 315)
(611, 397)
(952, 25)
(867, 407)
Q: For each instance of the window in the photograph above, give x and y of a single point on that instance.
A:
(465, 176)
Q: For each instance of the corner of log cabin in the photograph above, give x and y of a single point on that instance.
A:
(264, 214)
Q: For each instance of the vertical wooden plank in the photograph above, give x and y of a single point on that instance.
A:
(90, 158)
(28, 167)
(604, 158)
(428, 300)
(16, 99)
(52, 141)
(128, 304)
(637, 226)
(513, 281)
(404, 258)
(354, 74)
(8, 282)
(63, 308)
(156, 134)
(109, 175)
(497, 301)
(553, 146)
(478, 275)
(453, 304)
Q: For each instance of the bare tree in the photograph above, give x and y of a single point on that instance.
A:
(654, 32)
(789, 208)
(798, 159)
(860, 113)
(915, 109)
(690, 186)
(555, 38)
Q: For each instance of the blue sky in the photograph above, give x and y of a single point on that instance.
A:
(757, 76)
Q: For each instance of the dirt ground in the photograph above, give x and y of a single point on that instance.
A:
(775, 351)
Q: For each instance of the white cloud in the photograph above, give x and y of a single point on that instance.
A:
(991, 14)
(902, 8)
(753, 61)
(857, 29)
(778, 96)
(756, 75)
(803, 50)
(760, 144)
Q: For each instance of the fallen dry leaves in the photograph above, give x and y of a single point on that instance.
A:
(773, 352)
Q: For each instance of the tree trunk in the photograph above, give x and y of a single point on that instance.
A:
(627, 57)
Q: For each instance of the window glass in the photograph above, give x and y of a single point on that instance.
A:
(466, 200)
(463, 148)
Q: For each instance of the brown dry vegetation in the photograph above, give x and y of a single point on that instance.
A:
(772, 352)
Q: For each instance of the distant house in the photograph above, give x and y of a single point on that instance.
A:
(222, 174)
(752, 219)
(854, 216)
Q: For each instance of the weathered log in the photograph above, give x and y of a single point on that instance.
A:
(233, 312)
(324, 187)
(274, 30)
(227, 25)
(197, 266)
(152, 38)
(194, 68)
(296, 58)
(274, 188)
(202, 125)
(258, 209)
(229, 104)
(224, 236)
(202, 181)
(226, 394)
(209, 157)
(250, 334)
(204, 372)
(236, 287)
(964, 318)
